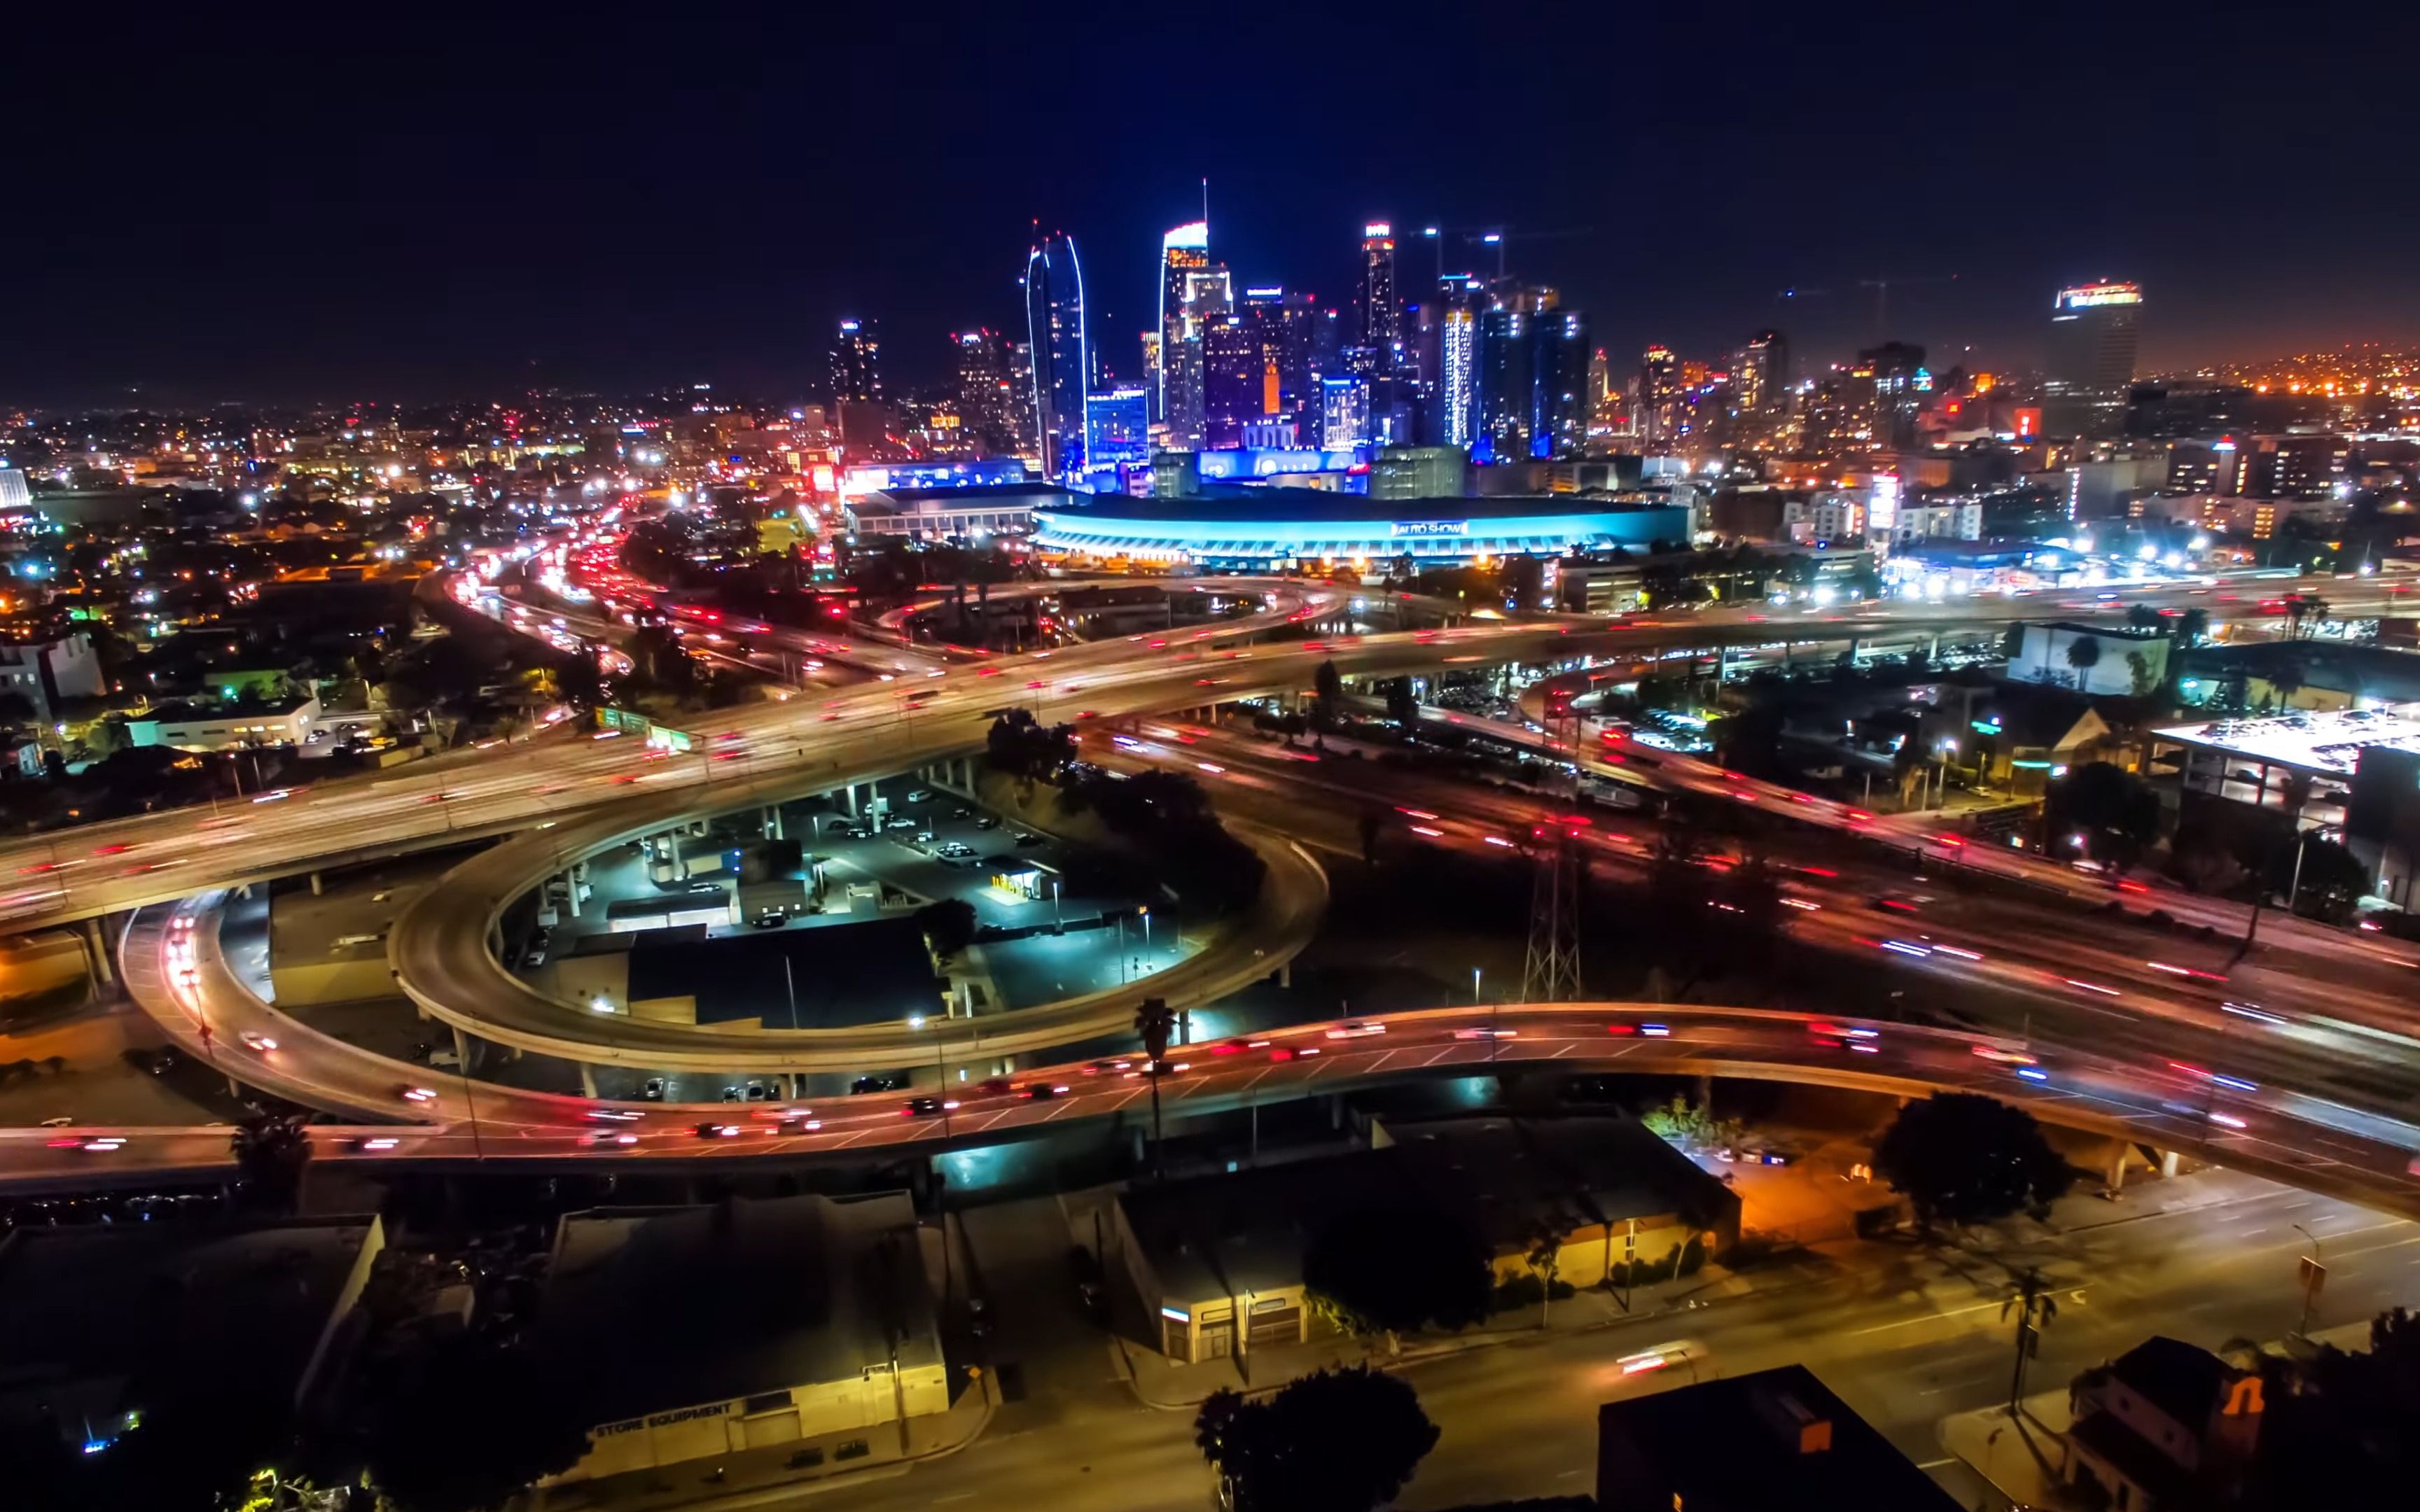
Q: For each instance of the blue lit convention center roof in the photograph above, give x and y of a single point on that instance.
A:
(1282, 526)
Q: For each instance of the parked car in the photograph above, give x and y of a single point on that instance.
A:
(919, 796)
(988, 822)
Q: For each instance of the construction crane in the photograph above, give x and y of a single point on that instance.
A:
(1881, 287)
(1492, 236)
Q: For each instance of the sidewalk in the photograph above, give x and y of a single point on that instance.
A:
(2019, 1456)
(1171, 1386)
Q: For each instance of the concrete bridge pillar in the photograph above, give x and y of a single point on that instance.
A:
(102, 972)
(848, 798)
(317, 886)
(587, 1081)
(571, 891)
(2167, 1163)
(1706, 1092)
(2114, 1176)
(773, 820)
(1137, 1132)
(461, 1051)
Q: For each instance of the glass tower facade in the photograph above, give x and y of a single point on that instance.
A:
(1054, 319)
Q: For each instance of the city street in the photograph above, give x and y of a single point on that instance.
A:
(1905, 1337)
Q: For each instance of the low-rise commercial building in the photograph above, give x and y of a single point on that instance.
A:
(961, 513)
(288, 721)
(102, 1326)
(684, 1333)
(1218, 1259)
(1770, 1438)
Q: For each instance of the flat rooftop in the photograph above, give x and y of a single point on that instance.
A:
(1769, 1439)
(652, 1308)
(185, 1307)
(2328, 742)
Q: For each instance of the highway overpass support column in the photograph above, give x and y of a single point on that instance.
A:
(461, 1052)
(773, 820)
(571, 890)
(588, 1081)
(317, 886)
(100, 944)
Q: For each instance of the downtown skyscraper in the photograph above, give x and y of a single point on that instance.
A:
(2093, 329)
(1054, 319)
(1183, 254)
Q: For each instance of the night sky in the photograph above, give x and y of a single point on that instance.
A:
(389, 202)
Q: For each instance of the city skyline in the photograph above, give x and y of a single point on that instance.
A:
(685, 234)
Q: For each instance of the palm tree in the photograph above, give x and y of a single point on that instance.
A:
(2083, 654)
(272, 1151)
(2034, 1307)
(1154, 1022)
(2191, 625)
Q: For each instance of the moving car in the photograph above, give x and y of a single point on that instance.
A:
(928, 1107)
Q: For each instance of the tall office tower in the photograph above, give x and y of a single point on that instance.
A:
(1761, 375)
(1900, 384)
(1117, 428)
(1283, 324)
(986, 400)
(1377, 307)
(1455, 315)
(1151, 368)
(1344, 412)
(1235, 380)
(1177, 403)
(1560, 404)
(1662, 410)
(1507, 377)
(1054, 319)
(855, 374)
(2093, 327)
(1023, 436)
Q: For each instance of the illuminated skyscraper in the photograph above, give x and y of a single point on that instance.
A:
(1118, 428)
(988, 401)
(1054, 316)
(1177, 402)
(1378, 309)
(2093, 327)
(1763, 374)
(1235, 380)
(1344, 412)
(1457, 375)
(855, 374)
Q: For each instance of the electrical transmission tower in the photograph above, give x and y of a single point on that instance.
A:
(1551, 972)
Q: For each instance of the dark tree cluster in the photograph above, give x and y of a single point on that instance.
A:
(1167, 817)
(1965, 1158)
(1343, 1440)
(1024, 748)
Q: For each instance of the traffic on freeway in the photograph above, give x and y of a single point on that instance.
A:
(2160, 1105)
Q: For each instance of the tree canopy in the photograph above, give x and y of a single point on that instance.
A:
(1397, 1268)
(1343, 1439)
(1965, 1157)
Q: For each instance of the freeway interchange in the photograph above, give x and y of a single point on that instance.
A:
(561, 793)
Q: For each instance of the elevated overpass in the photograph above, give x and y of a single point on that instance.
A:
(2280, 1136)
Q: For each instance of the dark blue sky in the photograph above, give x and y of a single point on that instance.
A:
(397, 203)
